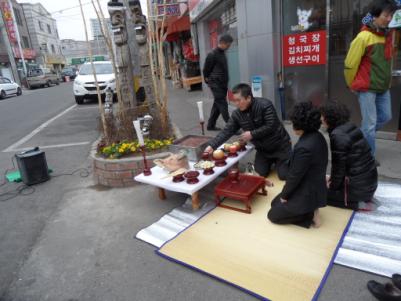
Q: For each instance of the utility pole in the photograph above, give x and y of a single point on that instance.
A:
(9, 50)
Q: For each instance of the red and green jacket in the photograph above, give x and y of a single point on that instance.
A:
(368, 64)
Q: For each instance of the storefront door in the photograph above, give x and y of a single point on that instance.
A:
(304, 51)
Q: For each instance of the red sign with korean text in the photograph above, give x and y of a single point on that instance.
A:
(8, 20)
(304, 49)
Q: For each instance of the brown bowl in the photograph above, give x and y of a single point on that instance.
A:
(192, 176)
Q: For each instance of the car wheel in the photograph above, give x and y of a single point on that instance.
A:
(57, 82)
(19, 91)
(3, 95)
(79, 100)
(49, 83)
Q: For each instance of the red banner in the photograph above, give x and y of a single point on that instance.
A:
(8, 20)
(28, 53)
(305, 49)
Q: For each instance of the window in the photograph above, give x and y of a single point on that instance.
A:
(40, 26)
(25, 42)
(6, 80)
(18, 16)
(43, 47)
(49, 30)
(53, 49)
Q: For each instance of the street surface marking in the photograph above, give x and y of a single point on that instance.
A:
(37, 130)
(46, 146)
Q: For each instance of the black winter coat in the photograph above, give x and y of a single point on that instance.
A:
(269, 134)
(352, 159)
(305, 187)
(215, 70)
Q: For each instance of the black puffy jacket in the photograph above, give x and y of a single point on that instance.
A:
(352, 161)
(269, 134)
(215, 69)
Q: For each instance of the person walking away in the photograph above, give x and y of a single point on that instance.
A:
(215, 74)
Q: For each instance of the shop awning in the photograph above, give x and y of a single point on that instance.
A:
(175, 25)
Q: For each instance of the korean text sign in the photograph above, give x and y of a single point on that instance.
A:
(304, 49)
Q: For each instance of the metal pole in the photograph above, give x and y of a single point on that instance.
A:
(9, 50)
(18, 38)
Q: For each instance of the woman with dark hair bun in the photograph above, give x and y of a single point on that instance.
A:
(305, 189)
(353, 179)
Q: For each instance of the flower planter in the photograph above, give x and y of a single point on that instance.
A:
(120, 172)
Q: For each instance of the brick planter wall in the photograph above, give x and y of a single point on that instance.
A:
(119, 172)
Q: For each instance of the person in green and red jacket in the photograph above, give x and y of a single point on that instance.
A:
(368, 68)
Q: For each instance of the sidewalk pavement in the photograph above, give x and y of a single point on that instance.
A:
(87, 251)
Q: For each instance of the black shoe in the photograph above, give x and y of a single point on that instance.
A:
(213, 128)
(397, 281)
(383, 292)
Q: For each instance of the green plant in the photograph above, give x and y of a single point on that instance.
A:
(118, 150)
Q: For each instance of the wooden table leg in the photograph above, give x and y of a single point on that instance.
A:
(162, 193)
(195, 201)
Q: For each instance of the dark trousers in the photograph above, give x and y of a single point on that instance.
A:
(220, 106)
(279, 214)
(263, 165)
(336, 198)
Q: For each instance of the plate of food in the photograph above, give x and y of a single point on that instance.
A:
(204, 164)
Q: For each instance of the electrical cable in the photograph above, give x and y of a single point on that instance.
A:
(83, 173)
(7, 170)
(25, 190)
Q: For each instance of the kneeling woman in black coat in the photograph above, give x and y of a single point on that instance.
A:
(305, 189)
(353, 179)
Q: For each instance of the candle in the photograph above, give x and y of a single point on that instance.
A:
(137, 125)
(200, 108)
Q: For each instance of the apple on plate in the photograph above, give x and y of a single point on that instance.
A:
(218, 154)
(227, 147)
(233, 149)
(237, 144)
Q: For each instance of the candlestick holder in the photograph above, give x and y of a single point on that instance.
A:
(202, 123)
(146, 169)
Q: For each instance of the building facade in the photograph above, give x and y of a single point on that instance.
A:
(291, 50)
(77, 52)
(44, 36)
(14, 19)
(96, 28)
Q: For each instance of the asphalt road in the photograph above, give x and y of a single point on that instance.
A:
(22, 218)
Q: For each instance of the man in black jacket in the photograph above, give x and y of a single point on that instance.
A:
(215, 74)
(258, 119)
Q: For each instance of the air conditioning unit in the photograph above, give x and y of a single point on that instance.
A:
(32, 166)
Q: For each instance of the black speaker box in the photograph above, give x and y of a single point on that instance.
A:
(32, 166)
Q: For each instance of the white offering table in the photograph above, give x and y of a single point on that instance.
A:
(158, 178)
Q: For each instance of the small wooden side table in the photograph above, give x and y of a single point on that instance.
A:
(243, 190)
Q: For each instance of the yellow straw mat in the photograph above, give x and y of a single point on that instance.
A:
(273, 262)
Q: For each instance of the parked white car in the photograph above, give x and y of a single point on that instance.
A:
(8, 87)
(84, 83)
